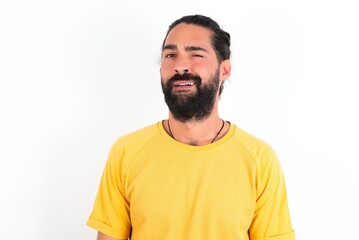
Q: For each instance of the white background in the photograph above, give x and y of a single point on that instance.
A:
(76, 75)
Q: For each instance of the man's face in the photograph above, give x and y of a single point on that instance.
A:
(190, 72)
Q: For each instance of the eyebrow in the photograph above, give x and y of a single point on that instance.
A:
(187, 49)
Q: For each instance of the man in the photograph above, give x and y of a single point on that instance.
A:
(193, 175)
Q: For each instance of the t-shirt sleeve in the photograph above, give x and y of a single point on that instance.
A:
(110, 214)
(271, 220)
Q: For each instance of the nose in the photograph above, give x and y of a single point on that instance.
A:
(181, 70)
(181, 65)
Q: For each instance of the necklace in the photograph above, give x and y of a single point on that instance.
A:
(215, 137)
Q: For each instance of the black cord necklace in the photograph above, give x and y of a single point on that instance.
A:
(215, 137)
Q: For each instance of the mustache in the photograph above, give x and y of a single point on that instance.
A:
(186, 76)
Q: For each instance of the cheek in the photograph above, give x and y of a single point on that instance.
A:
(163, 73)
(204, 68)
(165, 68)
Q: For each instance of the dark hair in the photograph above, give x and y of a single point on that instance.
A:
(221, 40)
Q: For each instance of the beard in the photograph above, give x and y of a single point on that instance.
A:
(197, 105)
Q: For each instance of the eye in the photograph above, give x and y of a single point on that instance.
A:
(169, 55)
(197, 55)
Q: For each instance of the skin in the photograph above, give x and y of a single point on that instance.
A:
(188, 48)
(102, 236)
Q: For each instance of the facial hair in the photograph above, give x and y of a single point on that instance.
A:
(197, 105)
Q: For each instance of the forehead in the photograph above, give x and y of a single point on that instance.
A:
(189, 35)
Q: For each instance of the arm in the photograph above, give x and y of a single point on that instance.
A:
(271, 218)
(111, 214)
(102, 236)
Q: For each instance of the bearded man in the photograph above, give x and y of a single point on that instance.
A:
(193, 175)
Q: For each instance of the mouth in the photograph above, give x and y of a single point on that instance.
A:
(183, 83)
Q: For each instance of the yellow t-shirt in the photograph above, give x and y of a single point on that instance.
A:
(156, 188)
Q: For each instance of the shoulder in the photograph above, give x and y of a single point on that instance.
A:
(251, 142)
(259, 149)
(137, 139)
(263, 156)
(128, 146)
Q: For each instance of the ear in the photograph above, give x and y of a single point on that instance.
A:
(225, 70)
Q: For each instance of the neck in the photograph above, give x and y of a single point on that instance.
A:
(196, 132)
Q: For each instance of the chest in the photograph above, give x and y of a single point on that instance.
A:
(178, 191)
